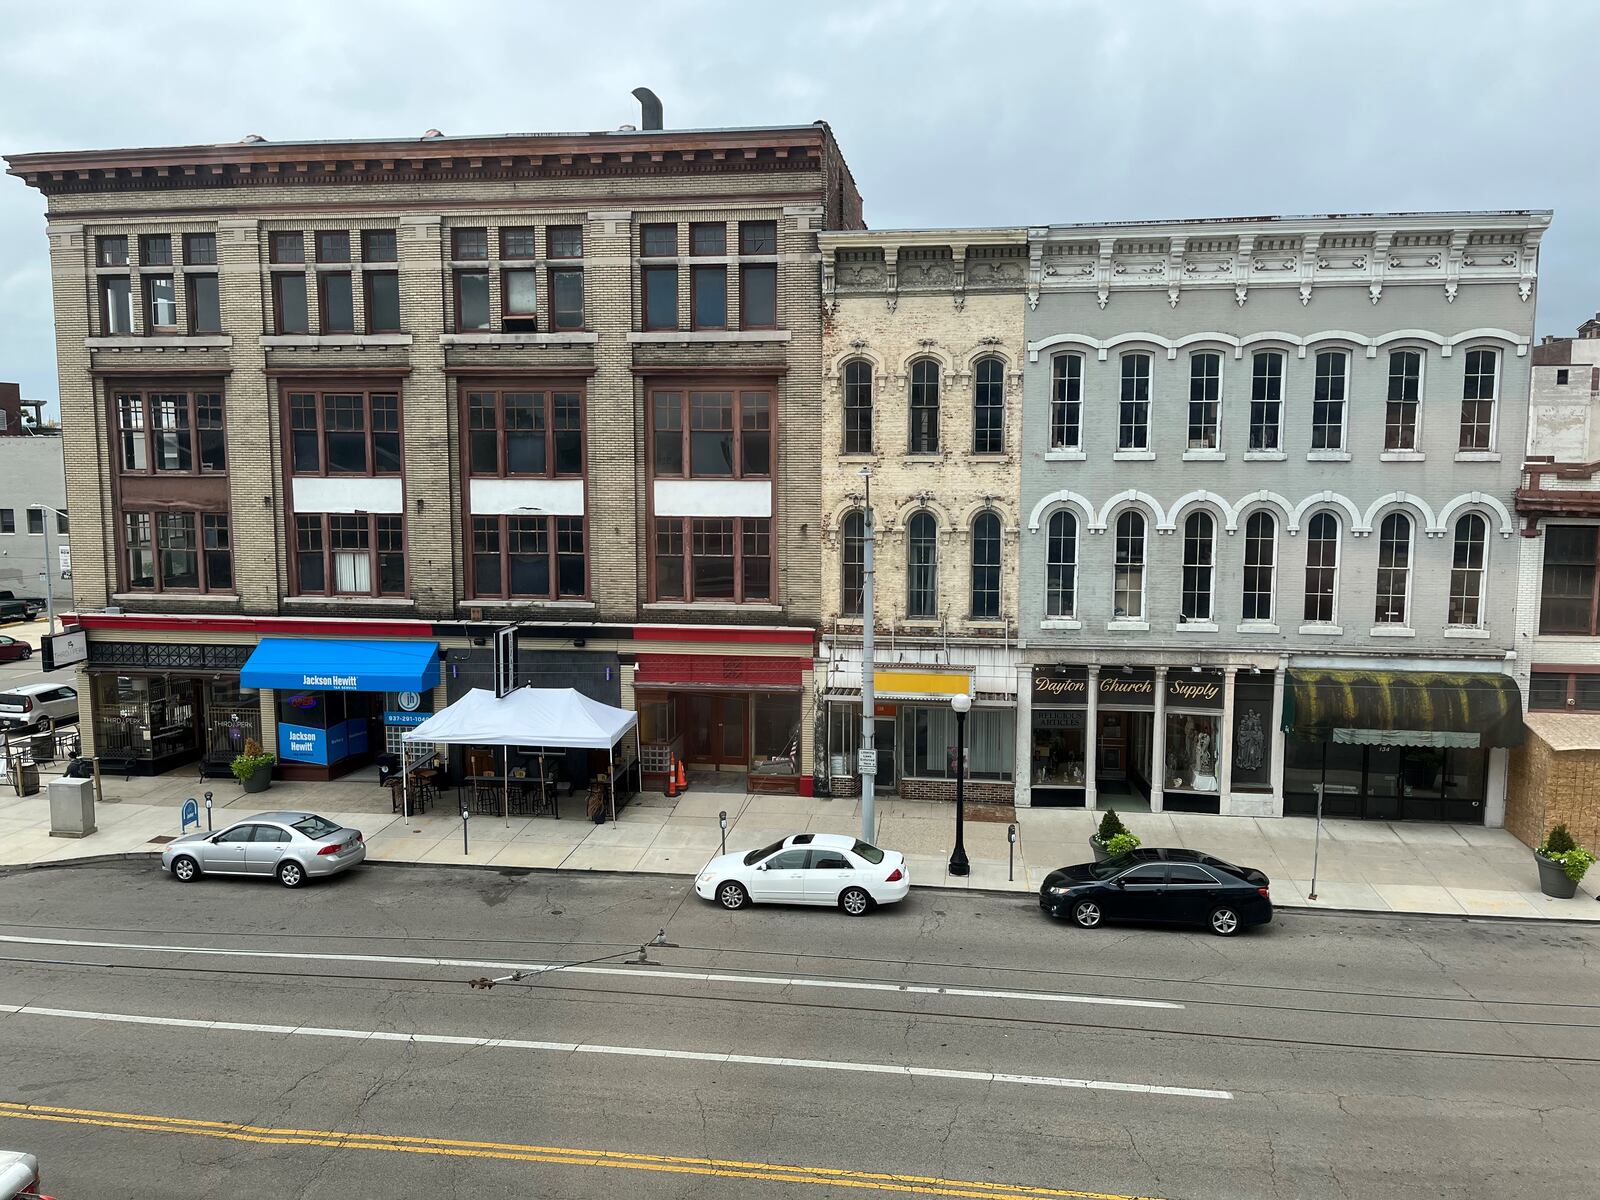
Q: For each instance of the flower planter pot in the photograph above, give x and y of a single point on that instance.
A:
(1553, 878)
(1100, 854)
(258, 780)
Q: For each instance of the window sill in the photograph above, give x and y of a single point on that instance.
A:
(685, 336)
(1134, 456)
(161, 341)
(174, 597)
(528, 602)
(1392, 631)
(1322, 630)
(303, 340)
(1060, 623)
(572, 337)
(1468, 632)
(721, 606)
(1402, 456)
(1065, 456)
(1327, 456)
(1203, 455)
(1257, 627)
(1477, 456)
(1264, 456)
(1195, 627)
(362, 601)
(1127, 626)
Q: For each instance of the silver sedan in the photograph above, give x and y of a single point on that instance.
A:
(289, 846)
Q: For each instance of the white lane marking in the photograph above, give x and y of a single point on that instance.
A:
(747, 1060)
(913, 989)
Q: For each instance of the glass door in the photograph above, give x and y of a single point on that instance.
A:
(733, 730)
(883, 739)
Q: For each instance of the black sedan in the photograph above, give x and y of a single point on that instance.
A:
(1180, 887)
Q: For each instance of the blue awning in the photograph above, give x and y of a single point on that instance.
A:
(329, 665)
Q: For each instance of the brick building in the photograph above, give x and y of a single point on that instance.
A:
(378, 398)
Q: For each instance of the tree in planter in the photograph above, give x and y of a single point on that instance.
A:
(252, 759)
(1559, 847)
(1110, 826)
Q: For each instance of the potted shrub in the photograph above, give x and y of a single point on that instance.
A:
(1562, 863)
(1112, 838)
(252, 766)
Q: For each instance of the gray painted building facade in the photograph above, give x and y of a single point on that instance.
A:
(32, 472)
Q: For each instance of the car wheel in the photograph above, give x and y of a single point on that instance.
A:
(185, 869)
(27, 652)
(1087, 914)
(855, 901)
(732, 895)
(291, 874)
(1224, 922)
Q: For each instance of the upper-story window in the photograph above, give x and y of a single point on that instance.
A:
(986, 567)
(1562, 376)
(349, 554)
(858, 407)
(713, 559)
(344, 433)
(469, 245)
(924, 407)
(519, 242)
(116, 305)
(1327, 403)
(1127, 593)
(989, 407)
(524, 433)
(758, 282)
(379, 246)
(290, 312)
(922, 567)
(200, 249)
(1478, 393)
(1199, 561)
(1061, 565)
(1205, 399)
(538, 558)
(1066, 401)
(852, 562)
(708, 297)
(1467, 571)
(155, 250)
(1260, 565)
(286, 246)
(205, 304)
(1266, 401)
(111, 250)
(659, 283)
(333, 246)
(1133, 411)
(160, 304)
(177, 551)
(1567, 595)
(163, 432)
(1322, 568)
(566, 276)
(1405, 400)
(1394, 570)
(472, 301)
(724, 434)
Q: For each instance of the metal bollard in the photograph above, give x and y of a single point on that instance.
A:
(1011, 853)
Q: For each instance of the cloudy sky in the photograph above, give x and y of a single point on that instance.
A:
(950, 113)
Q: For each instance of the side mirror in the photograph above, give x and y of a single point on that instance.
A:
(761, 866)
(1122, 882)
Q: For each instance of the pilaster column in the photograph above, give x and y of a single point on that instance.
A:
(1277, 737)
(1158, 745)
(1091, 741)
(1022, 772)
(1225, 740)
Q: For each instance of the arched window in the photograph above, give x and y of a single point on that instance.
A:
(986, 567)
(1066, 401)
(1266, 401)
(852, 562)
(1260, 565)
(1133, 413)
(989, 407)
(922, 567)
(1199, 555)
(1466, 571)
(1477, 400)
(1394, 569)
(1127, 600)
(1405, 400)
(924, 407)
(1061, 565)
(1327, 401)
(1322, 568)
(858, 407)
(1205, 399)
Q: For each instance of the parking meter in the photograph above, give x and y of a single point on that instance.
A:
(722, 819)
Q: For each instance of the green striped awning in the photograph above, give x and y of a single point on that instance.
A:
(1324, 704)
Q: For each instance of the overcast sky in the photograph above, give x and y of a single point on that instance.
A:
(993, 113)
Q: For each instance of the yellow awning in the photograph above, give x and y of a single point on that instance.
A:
(921, 685)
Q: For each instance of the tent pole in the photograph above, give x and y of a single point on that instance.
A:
(405, 770)
(611, 775)
(505, 784)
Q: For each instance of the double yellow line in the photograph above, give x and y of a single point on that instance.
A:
(917, 1185)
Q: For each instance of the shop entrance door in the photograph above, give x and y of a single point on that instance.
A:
(883, 740)
(715, 729)
(1111, 762)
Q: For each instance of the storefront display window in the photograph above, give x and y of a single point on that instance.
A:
(928, 735)
(1058, 747)
(844, 737)
(775, 733)
(150, 719)
(1192, 752)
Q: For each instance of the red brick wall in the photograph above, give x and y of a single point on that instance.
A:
(945, 789)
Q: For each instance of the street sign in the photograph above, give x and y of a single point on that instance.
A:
(867, 762)
(191, 815)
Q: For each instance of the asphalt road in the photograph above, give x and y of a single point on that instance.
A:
(332, 1046)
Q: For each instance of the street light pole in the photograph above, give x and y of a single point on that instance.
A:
(869, 706)
(958, 857)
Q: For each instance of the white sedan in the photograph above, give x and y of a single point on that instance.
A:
(808, 868)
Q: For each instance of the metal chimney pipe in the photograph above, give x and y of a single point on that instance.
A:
(649, 108)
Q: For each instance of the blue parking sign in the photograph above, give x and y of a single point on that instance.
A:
(191, 815)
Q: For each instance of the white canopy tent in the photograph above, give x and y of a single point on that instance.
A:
(560, 717)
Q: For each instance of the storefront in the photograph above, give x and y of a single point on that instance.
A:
(156, 706)
(1059, 759)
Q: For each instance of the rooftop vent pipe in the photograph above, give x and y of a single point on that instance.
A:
(649, 108)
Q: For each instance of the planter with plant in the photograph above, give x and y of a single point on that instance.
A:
(1562, 863)
(252, 766)
(1112, 838)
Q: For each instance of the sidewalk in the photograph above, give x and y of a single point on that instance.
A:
(1364, 865)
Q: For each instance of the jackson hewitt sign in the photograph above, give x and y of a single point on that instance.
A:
(1136, 687)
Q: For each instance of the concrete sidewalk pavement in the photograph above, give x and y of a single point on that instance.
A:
(1363, 865)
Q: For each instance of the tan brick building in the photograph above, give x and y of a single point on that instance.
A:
(923, 357)
(417, 389)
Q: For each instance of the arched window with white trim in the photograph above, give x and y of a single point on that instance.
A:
(1394, 570)
(1199, 561)
(852, 562)
(922, 567)
(1133, 413)
(1266, 401)
(1403, 411)
(1478, 392)
(858, 407)
(1061, 565)
(1322, 569)
(1127, 600)
(1066, 401)
(986, 567)
(1260, 565)
(1205, 399)
(989, 407)
(1467, 571)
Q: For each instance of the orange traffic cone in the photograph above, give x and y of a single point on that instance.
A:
(683, 777)
(672, 781)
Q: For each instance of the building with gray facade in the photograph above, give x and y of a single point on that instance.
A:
(1267, 547)
(33, 502)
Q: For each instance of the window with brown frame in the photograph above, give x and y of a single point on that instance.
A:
(170, 433)
(1569, 588)
(344, 433)
(469, 245)
(708, 239)
(566, 298)
(205, 304)
(566, 241)
(758, 237)
(116, 305)
(1564, 691)
(290, 313)
(758, 297)
(333, 246)
(472, 301)
(345, 554)
(708, 297)
(660, 297)
(336, 302)
(519, 242)
(155, 250)
(727, 434)
(519, 300)
(111, 250)
(383, 300)
(538, 558)
(519, 434)
(287, 247)
(200, 249)
(658, 241)
(160, 304)
(713, 558)
(378, 245)
(168, 551)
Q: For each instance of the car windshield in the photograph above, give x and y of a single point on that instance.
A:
(756, 856)
(867, 851)
(1115, 865)
(315, 827)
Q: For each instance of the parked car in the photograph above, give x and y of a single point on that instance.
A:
(38, 707)
(808, 868)
(1181, 887)
(14, 649)
(19, 1176)
(288, 846)
(29, 607)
